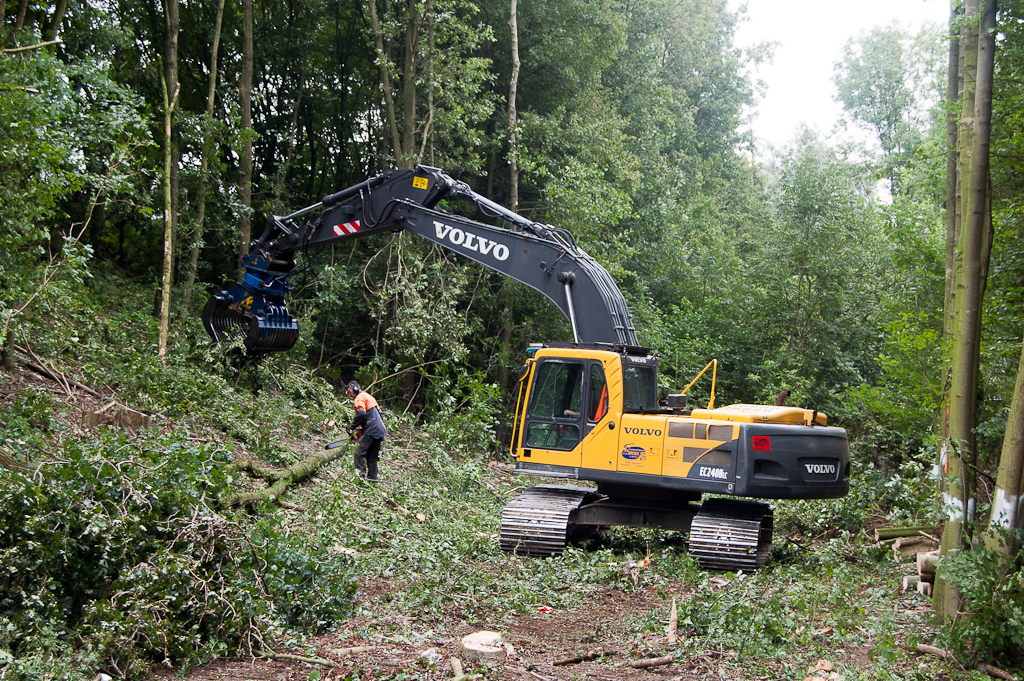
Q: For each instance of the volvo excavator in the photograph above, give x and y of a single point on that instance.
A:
(586, 410)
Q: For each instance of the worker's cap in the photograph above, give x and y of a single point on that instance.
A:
(353, 386)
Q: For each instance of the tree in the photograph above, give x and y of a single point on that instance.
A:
(170, 88)
(818, 272)
(1007, 505)
(877, 82)
(446, 35)
(512, 119)
(207, 153)
(246, 134)
(959, 452)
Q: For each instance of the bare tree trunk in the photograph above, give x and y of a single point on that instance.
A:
(293, 131)
(171, 66)
(383, 62)
(19, 18)
(165, 288)
(412, 32)
(974, 148)
(1008, 501)
(427, 136)
(245, 158)
(51, 29)
(952, 206)
(513, 150)
(204, 164)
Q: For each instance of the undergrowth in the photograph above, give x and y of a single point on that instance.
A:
(116, 553)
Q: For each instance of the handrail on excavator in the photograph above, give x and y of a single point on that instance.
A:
(714, 377)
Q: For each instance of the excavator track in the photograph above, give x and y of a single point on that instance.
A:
(731, 535)
(536, 523)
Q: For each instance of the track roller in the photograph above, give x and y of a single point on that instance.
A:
(536, 523)
(731, 535)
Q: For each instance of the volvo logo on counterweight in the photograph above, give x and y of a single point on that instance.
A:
(471, 241)
(820, 468)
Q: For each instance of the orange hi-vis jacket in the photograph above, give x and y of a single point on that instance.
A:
(368, 416)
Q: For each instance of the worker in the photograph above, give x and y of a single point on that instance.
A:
(369, 421)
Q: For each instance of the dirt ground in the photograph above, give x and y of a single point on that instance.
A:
(585, 642)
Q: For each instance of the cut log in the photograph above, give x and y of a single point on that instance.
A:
(126, 419)
(883, 533)
(283, 478)
(651, 662)
(907, 546)
(926, 563)
(354, 650)
(924, 588)
(910, 582)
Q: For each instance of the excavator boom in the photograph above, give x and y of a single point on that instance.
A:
(543, 257)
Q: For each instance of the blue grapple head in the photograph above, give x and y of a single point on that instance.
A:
(254, 310)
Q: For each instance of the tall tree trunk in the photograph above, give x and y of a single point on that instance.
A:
(165, 288)
(513, 151)
(171, 68)
(973, 169)
(293, 129)
(245, 158)
(427, 137)
(1008, 500)
(19, 18)
(204, 163)
(412, 32)
(383, 63)
(952, 205)
(54, 25)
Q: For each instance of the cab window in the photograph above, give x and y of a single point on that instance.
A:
(552, 435)
(558, 391)
(640, 389)
(555, 406)
(598, 398)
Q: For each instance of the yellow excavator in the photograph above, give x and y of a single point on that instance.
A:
(586, 410)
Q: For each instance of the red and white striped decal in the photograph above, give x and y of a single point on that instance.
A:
(346, 228)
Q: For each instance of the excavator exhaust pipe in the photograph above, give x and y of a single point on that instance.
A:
(254, 311)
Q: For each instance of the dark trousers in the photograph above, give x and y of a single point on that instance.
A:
(367, 455)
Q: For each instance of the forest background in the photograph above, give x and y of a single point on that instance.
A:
(142, 143)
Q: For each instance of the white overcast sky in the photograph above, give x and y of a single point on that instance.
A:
(810, 36)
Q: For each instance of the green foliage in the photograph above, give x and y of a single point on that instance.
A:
(68, 131)
(992, 587)
(466, 415)
(118, 543)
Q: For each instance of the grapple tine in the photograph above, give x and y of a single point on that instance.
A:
(254, 310)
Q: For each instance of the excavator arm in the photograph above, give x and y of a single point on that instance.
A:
(543, 257)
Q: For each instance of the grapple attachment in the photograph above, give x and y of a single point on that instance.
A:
(254, 311)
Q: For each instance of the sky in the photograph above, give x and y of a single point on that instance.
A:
(811, 35)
